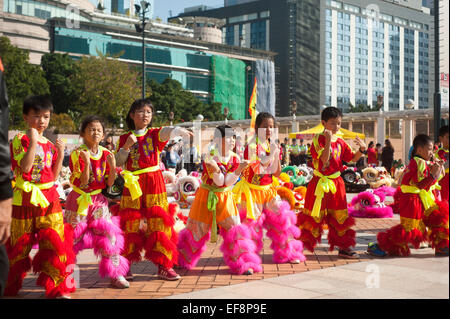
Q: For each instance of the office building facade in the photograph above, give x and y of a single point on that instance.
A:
(375, 53)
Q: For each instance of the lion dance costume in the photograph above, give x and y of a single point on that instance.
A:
(214, 205)
(326, 200)
(418, 211)
(144, 197)
(87, 210)
(37, 215)
(256, 194)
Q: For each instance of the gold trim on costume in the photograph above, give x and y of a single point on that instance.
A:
(157, 224)
(127, 202)
(54, 221)
(157, 200)
(410, 223)
(19, 227)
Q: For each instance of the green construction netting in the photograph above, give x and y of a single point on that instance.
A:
(228, 85)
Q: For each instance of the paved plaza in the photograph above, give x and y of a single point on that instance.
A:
(322, 275)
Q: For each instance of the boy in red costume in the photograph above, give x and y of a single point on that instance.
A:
(442, 154)
(36, 209)
(326, 200)
(418, 207)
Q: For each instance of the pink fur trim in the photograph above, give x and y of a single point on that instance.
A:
(292, 251)
(281, 221)
(372, 212)
(107, 268)
(186, 245)
(239, 250)
(104, 246)
(104, 226)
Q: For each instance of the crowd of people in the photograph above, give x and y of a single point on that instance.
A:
(237, 198)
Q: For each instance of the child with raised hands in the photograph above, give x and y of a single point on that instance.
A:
(214, 206)
(93, 169)
(259, 204)
(144, 196)
(36, 211)
(326, 199)
(422, 217)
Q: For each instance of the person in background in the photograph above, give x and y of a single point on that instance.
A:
(372, 155)
(108, 143)
(387, 155)
(294, 152)
(302, 157)
(172, 157)
(6, 176)
(379, 149)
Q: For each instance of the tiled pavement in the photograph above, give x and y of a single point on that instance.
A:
(210, 272)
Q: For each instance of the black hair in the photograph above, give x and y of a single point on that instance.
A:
(136, 106)
(378, 144)
(443, 130)
(90, 119)
(330, 112)
(220, 131)
(371, 144)
(420, 141)
(261, 117)
(37, 103)
(389, 144)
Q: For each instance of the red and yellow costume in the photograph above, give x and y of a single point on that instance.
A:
(214, 205)
(261, 207)
(418, 211)
(37, 214)
(326, 200)
(145, 197)
(88, 213)
(442, 154)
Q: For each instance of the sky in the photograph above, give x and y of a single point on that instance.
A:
(162, 7)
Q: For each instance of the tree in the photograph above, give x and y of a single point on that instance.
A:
(170, 96)
(22, 79)
(62, 124)
(361, 107)
(60, 70)
(108, 88)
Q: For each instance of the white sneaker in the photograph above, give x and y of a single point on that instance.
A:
(249, 272)
(120, 282)
(295, 261)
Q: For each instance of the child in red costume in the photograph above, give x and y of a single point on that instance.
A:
(93, 169)
(36, 209)
(144, 196)
(418, 207)
(326, 200)
(442, 154)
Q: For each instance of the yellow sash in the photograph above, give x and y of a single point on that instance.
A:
(37, 197)
(212, 204)
(324, 185)
(84, 200)
(131, 179)
(243, 187)
(427, 197)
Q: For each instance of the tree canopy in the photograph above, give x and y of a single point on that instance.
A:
(22, 79)
(108, 88)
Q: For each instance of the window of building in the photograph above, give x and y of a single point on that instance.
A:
(264, 14)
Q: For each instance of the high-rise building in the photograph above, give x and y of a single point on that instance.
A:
(117, 6)
(338, 52)
(443, 47)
